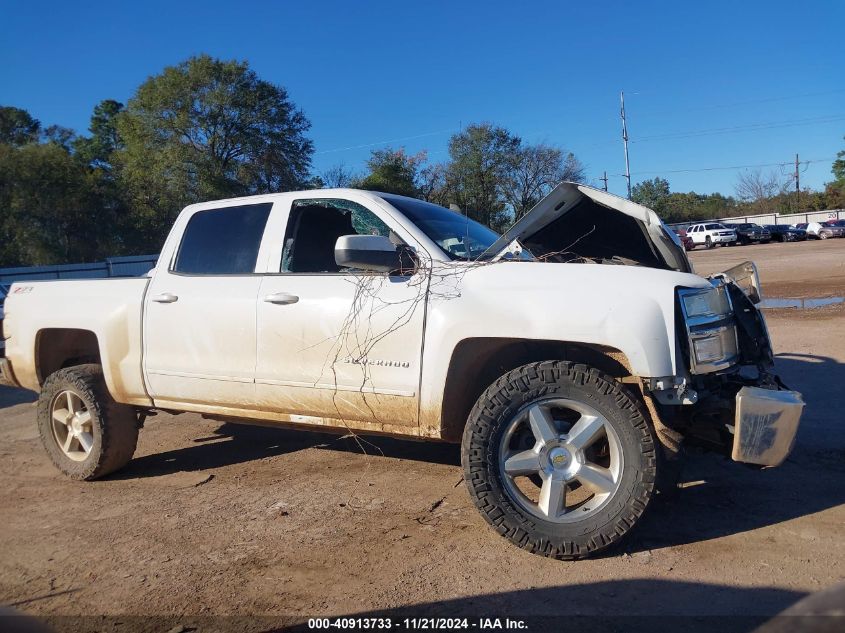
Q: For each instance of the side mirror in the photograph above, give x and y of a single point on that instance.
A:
(367, 252)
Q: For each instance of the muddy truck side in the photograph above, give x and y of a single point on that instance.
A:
(571, 357)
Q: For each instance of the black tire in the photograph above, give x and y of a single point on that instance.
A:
(114, 426)
(487, 423)
(708, 243)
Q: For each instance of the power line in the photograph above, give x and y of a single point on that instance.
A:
(722, 168)
(718, 106)
(393, 140)
(750, 127)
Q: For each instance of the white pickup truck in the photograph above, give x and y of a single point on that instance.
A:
(570, 356)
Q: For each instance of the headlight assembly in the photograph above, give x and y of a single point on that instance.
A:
(710, 328)
(707, 304)
(713, 346)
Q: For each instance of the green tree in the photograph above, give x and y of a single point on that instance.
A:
(62, 136)
(432, 183)
(52, 208)
(9, 252)
(105, 139)
(653, 194)
(480, 158)
(838, 167)
(393, 171)
(17, 127)
(206, 129)
(835, 191)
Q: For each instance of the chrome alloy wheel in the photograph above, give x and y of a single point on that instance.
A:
(560, 460)
(72, 428)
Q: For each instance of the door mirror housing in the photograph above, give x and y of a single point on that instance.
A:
(367, 252)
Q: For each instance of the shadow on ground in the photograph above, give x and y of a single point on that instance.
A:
(622, 605)
(734, 498)
(10, 397)
(721, 497)
(625, 605)
(238, 443)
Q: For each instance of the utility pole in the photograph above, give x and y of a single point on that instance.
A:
(625, 142)
(797, 186)
(604, 179)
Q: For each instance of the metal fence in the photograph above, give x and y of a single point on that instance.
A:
(133, 266)
(772, 218)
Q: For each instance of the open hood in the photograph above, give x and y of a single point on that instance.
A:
(577, 223)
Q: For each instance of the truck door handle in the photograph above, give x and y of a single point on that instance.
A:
(281, 298)
(165, 297)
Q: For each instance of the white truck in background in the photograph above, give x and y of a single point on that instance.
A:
(570, 356)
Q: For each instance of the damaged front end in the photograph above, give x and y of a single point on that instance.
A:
(731, 399)
(725, 393)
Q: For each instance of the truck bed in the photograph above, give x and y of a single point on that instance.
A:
(93, 317)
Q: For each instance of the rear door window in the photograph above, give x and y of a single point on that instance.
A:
(222, 241)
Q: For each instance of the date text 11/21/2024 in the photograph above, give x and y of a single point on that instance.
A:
(414, 624)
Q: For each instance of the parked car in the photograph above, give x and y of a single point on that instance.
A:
(569, 370)
(835, 225)
(786, 233)
(711, 233)
(686, 240)
(819, 231)
(750, 233)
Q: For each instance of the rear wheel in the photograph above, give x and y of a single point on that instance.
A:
(85, 432)
(559, 459)
(823, 236)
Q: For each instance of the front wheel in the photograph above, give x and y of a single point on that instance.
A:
(560, 459)
(85, 432)
(708, 243)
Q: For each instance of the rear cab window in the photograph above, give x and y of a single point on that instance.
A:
(222, 241)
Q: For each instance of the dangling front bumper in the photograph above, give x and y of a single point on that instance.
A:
(766, 425)
(733, 401)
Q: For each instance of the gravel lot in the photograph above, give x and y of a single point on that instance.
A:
(214, 519)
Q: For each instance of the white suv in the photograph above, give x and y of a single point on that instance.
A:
(710, 234)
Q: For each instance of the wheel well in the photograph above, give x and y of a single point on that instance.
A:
(57, 348)
(476, 363)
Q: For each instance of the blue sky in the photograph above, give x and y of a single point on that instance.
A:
(718, 84)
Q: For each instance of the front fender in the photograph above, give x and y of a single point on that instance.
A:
(628, 308)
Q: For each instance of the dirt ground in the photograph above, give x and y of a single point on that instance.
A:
(815, 268)
(214, 519)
